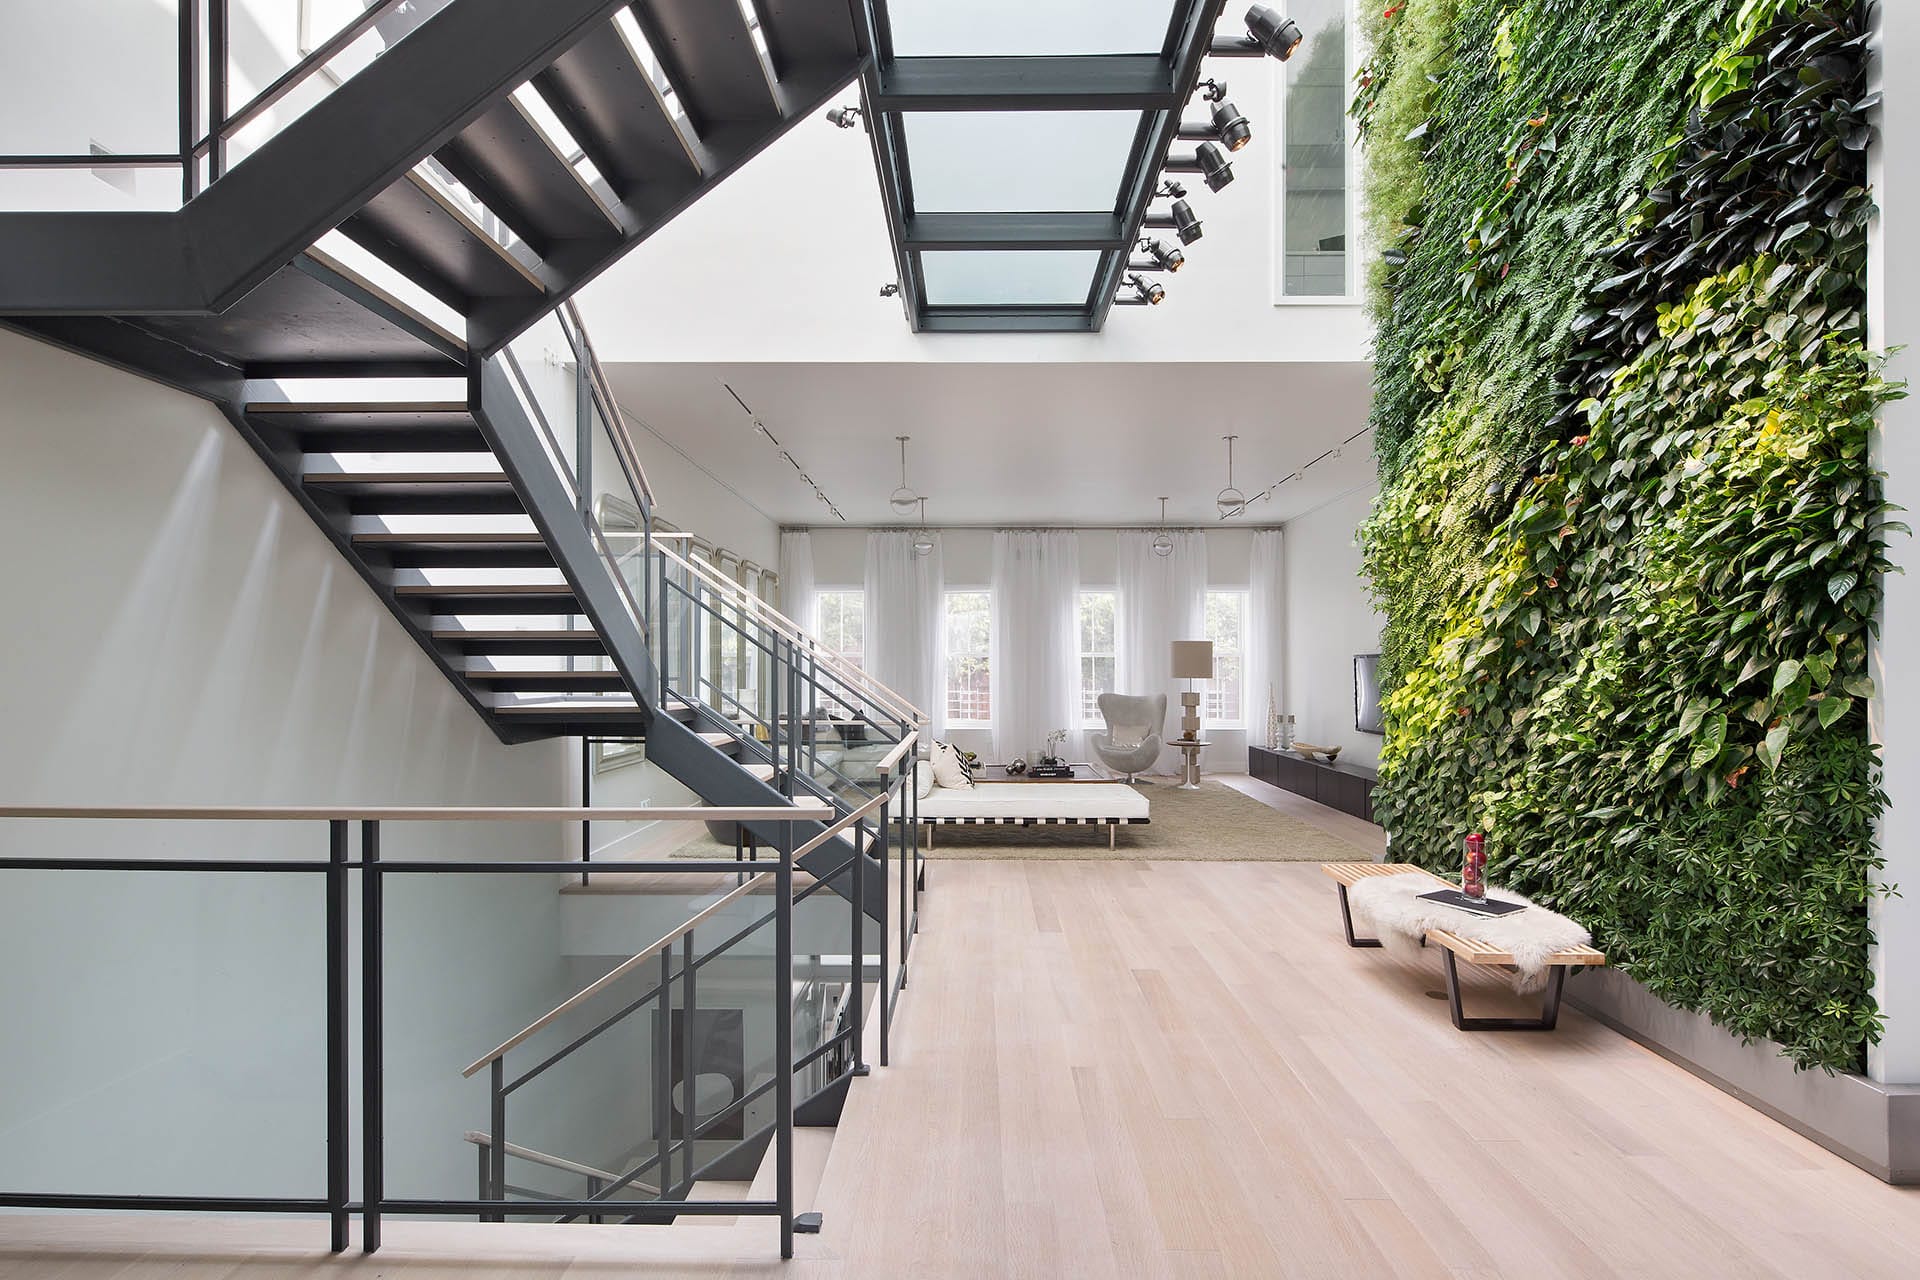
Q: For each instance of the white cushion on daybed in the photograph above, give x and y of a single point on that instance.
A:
(1056, 800)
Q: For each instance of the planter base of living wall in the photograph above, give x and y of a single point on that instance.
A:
(1873, 1125)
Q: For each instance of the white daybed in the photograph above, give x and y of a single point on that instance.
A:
(1034, 804)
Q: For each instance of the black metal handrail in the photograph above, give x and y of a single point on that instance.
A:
(579, 478)
(699, 686)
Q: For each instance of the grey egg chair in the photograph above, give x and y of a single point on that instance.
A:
(1131, 710)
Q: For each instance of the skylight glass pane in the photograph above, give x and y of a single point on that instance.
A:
(1022, 28)
(1010, 277)
(1002, 161)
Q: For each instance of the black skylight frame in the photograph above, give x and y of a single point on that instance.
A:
(1156, 85)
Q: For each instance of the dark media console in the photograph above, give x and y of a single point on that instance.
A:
(1346, 787)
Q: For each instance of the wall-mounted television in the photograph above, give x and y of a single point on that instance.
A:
(1366, 694)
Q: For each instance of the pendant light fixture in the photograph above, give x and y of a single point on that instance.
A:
(1230, 500)
(903, 498)
(1162, 540)
(923, 540)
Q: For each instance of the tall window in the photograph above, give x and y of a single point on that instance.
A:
(1227, 628)
(843, 624)
(969, 667)
(1096, 652)
(843, 630)
(1313, 207)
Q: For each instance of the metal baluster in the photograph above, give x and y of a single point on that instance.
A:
(337, 1069)
(372, 1039)
(663, 633)
(773, 722)
(689, 1105)
(793, 699)
(188, 38)
(498, 1081)
(783, 1036)
(662, 1070)
(885, 987)
(217, 58)
(859, 958)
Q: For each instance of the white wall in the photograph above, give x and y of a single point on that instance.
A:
(179, 631)
(731, 281)
(1329, 619)
(694, 500)
(1893, 287)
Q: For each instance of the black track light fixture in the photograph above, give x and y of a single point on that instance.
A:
(1277, 37)
(1164, 259)
(843, 117)
(1145, 293)
(1171, 189)
(889, 290)
(1225, 123)
(1231, 126)
(1186, 222)
(1180, 219)
(1210, 162)
(1268, 36)
(1214, 166)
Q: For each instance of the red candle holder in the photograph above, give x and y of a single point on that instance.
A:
(1473, 873)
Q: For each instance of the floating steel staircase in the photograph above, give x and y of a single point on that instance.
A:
(499, 154)
(376, 297)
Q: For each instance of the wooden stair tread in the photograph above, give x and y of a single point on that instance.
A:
(455, 634)
(484, 589)
(406, 477)
(450, 539)
(608, 706)
(306, 408)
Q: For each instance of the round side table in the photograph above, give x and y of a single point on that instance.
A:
(1190, 749)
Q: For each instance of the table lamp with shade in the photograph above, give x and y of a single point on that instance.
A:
(1192, 660)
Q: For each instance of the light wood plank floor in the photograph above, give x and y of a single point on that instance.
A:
(1177, 1069)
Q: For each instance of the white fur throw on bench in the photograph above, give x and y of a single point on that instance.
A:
(1389, 907)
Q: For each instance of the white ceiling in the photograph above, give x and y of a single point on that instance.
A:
(1020, 443)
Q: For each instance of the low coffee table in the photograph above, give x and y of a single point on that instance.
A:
(998, 773)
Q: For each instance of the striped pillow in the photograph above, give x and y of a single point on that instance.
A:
(950, 767)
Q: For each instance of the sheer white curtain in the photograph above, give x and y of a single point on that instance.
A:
(1160, 599)
(798, 598)
(1036, 643)
(1266, 633)
(906, 622)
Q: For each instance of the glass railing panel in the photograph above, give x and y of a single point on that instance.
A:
(91, 74)
(164, 1033)
(91, 189)
(95, 78)
(471, 959)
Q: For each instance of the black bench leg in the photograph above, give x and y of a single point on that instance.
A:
(1346, 922)
(1549, 1014)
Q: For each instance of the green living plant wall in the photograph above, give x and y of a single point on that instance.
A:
(1629, 540)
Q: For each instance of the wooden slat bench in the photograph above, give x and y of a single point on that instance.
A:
(1455, 948)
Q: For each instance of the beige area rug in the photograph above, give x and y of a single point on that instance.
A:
(1213, 824)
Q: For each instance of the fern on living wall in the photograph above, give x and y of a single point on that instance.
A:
(1629, 540)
